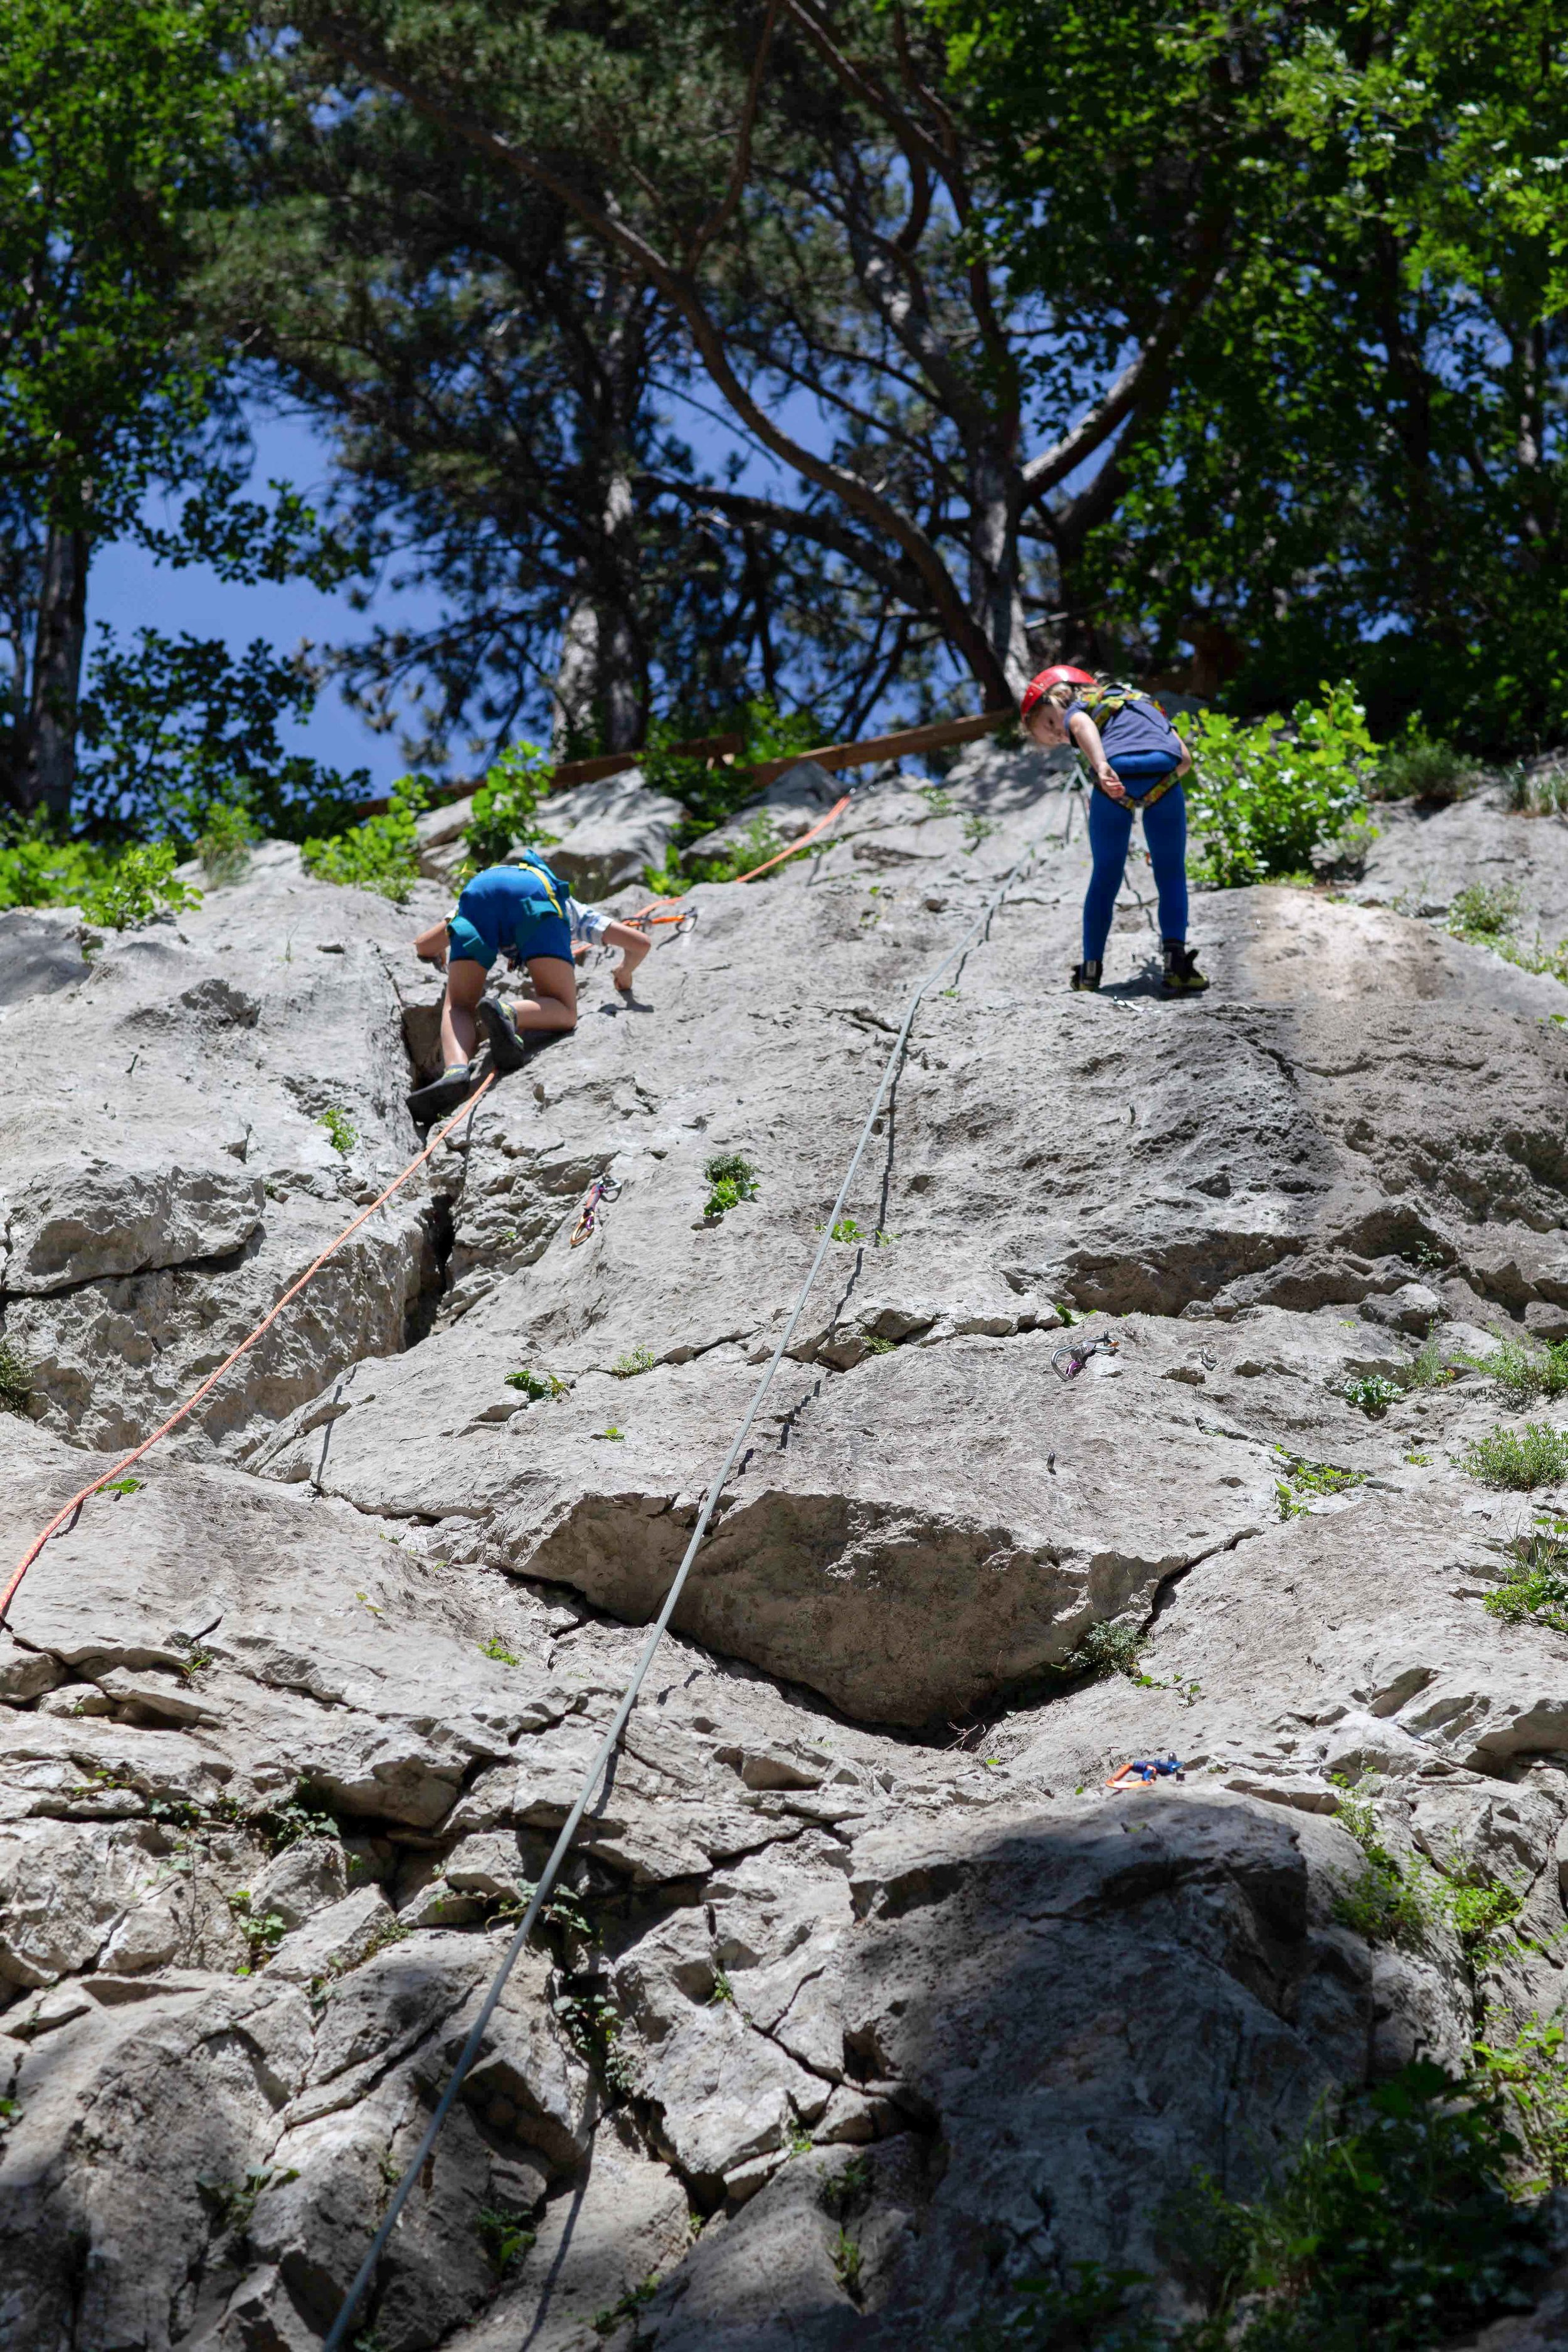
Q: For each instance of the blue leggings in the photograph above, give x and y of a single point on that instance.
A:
(1110, 832)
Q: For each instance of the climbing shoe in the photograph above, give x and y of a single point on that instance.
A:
(443, 1094)
(507, 1050)
(1085, 975)
(1181, 976)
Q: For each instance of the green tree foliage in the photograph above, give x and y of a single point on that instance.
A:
(175, 726)
(1361, 468)
(116, 124)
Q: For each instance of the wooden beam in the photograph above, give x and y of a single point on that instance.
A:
(902, 745)
(585, 771)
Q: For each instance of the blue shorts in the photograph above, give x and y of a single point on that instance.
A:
(543, 934)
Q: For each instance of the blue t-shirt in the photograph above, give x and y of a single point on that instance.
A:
(1137, 730)
(506, 899)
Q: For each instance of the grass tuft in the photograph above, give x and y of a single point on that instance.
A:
(1519, 1460)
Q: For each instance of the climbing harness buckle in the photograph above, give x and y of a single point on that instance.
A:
(599, 1194)
(1069, 1360)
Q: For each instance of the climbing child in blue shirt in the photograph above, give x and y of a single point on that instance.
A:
(1137, 760)
(525, 912)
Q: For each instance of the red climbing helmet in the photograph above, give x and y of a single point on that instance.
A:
(1057, 674)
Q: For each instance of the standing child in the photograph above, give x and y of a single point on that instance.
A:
(1136, 759)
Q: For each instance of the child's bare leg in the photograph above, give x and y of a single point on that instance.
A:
(555, 987)
(632, 945)
(459, 1037)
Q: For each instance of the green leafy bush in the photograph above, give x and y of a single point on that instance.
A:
(140, 884)
(37, 870)
(505, 812)
(382, 854)
(1262, 799)
(1420, 768)
(730, 1180)
(1530, 2072)
(1537, 1456)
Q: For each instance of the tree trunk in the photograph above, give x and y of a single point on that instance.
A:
(996, 586)
(598, 678)
(46, 765)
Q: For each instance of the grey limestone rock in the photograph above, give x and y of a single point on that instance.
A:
(856, 1947)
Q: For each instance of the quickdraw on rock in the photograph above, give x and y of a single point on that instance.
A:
(1148, 1770)
(603, 1189)
(1069, 1361)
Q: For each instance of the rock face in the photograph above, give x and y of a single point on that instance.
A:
(855, 1950)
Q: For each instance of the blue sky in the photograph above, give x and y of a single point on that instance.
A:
(128, 589)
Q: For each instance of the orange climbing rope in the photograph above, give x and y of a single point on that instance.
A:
(646, 918)
(244, 1348)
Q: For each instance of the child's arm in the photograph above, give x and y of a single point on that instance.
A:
(632, 945)
(430, 946)
(1187, 761)
(1086, 735)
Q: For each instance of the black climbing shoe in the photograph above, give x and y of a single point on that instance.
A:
(1085, 975)
(507, 1050)
(453, 1087)
(1181, 976)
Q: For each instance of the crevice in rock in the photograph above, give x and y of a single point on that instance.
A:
(438, 1218)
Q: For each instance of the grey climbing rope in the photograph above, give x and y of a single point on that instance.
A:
(541, 1895)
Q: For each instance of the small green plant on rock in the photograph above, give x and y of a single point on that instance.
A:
(1385, 1904)
(341, 1132)
(612, 1435)
(1418, 767)
(730, 1180)
(1536, 1586)
(877, 1346)
(1429, 1367)
(1530, 2069)
(1303, 1482)
(1522, 1371)
(302, 1815)
(634, 1362)
(537, 1387)
(496, 1649)
(119, 1487)
(1519, 1460)
(1107, 1648)
(1372, 1393)
(844, 2253)
(16, 1382)
(1484, 912)
(605, 2323)
(723, 1990)
(228, 835)
(840, 2191)
(845, 1229)
(263, 1932)
(505, 2236)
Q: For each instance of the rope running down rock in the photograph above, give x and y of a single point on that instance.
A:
(473, 2045)
(212, 1380)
